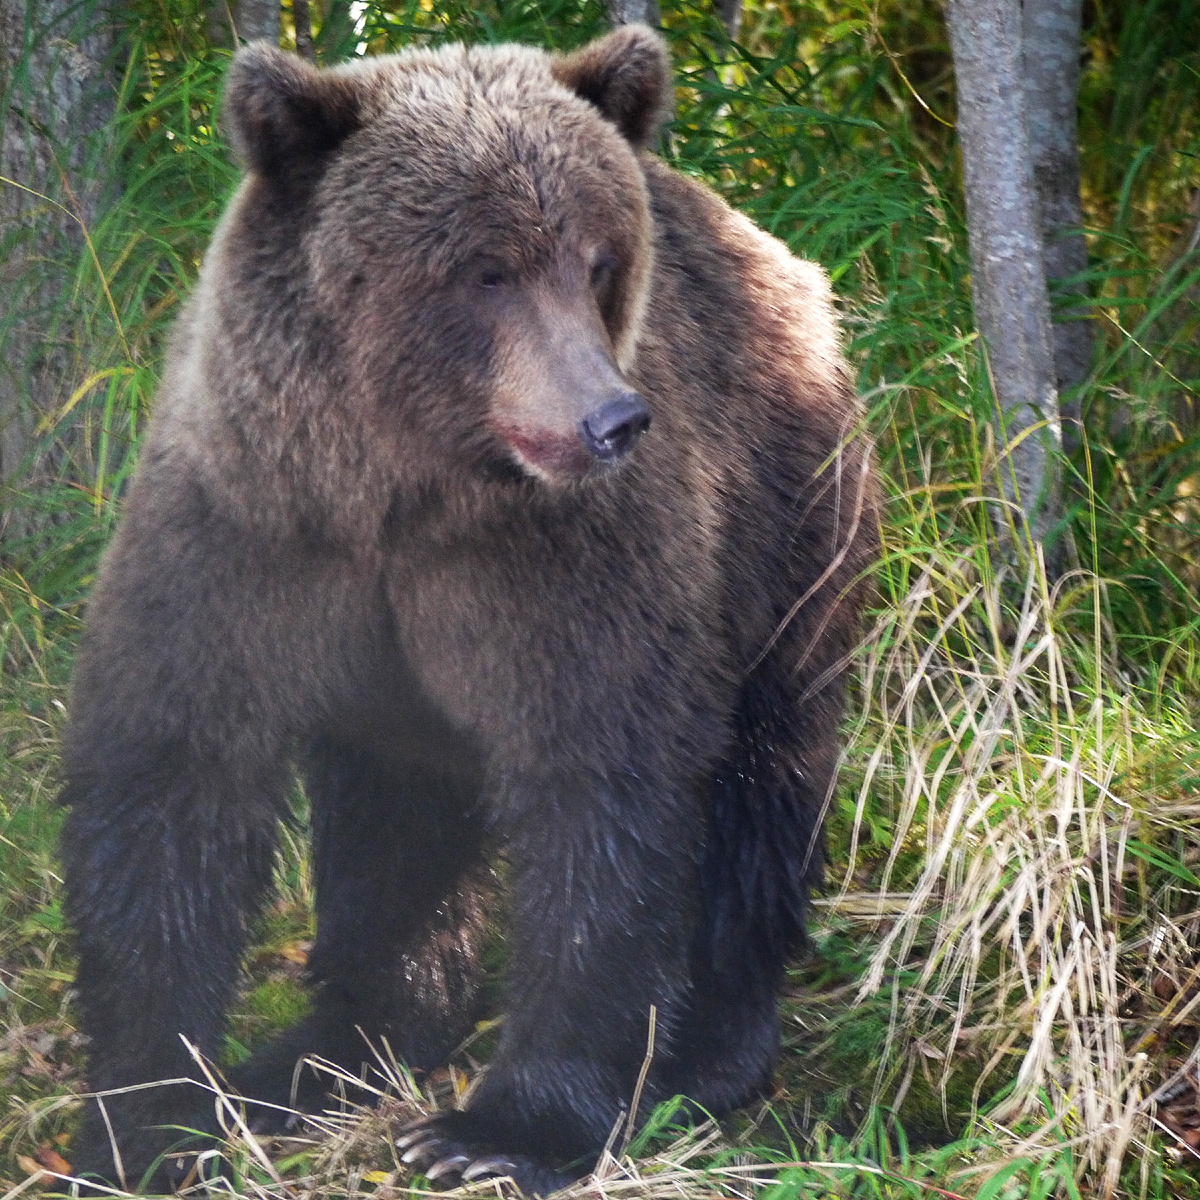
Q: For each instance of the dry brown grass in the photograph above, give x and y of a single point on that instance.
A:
(1027, 777)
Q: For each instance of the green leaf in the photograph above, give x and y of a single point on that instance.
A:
(1159, 858)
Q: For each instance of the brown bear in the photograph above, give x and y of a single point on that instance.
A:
(508, 485)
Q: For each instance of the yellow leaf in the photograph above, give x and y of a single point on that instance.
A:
(28, 1165)
(296, 952)
(377, 1177)
(52, 1160)
(52, 419)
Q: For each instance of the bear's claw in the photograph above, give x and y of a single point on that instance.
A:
(416, 1131)
(430, 1146)
(426, 1148)
(443, 1166)
(420, 1150)
(488, 1168)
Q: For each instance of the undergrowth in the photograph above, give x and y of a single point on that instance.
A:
(1006, 964)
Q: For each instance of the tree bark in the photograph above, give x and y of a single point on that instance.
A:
(1051, 42)
(258, 20)
(1012, 306)
(730, 12)
(252, 20)
(302, 20)
(57, 94)
(630, 12)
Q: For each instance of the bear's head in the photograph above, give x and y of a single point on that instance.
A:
(469, 232)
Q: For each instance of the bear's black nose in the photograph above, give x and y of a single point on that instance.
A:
(611, 430)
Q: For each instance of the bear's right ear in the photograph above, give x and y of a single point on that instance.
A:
(627, 76)
(281, 113)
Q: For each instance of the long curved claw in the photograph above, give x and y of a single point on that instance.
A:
(441, 1146)
(484, 1168)
(452, 1162)
(414, 1130)
(424, 1149)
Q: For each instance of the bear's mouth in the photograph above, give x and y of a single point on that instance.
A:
(601, 440)
(549, 456)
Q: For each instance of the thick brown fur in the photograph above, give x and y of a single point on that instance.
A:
(368, 537)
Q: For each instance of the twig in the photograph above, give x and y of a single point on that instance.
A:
(237, 1118)
(641, 1080)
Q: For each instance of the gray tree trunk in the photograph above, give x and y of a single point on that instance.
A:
(730, 12)
(251, 20)
(1051, 40)
(630, 12)
(1012, 306)
(56, 94)
(302, 20)
(258, 20)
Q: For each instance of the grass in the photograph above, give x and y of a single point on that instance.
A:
(1005, 963)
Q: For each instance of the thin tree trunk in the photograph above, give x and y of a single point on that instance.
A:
(730, 12)
(258, 20)
(630, 12)
(1051, 40)
(221, 23)
(1012, 307)
(250, 20)
(302, 19)
(56, 95)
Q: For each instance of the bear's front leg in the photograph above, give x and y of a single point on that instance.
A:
(604, 882)
(160, 933)
(198, 666)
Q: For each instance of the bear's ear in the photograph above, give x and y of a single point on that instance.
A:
(282, 113)
(627, 76)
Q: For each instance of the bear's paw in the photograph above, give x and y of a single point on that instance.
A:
(455, 1147)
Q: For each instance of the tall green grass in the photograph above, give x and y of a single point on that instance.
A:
(1014, 855)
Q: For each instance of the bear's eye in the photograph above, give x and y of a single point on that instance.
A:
(492, 275)
(603, 270)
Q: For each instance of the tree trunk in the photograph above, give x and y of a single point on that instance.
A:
(1051, 39)
(630, 12)
(1012, 307)
(302, 20)
(252, 20)
(730, 12)
(57, 93)
(258, 20)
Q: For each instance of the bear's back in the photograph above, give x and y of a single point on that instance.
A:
(740, 355)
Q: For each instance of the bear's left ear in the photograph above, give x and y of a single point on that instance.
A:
(281, 113)
(627, 76)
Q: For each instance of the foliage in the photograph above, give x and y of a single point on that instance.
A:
(1006, 961)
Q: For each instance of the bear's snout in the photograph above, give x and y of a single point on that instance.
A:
(610, 432)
